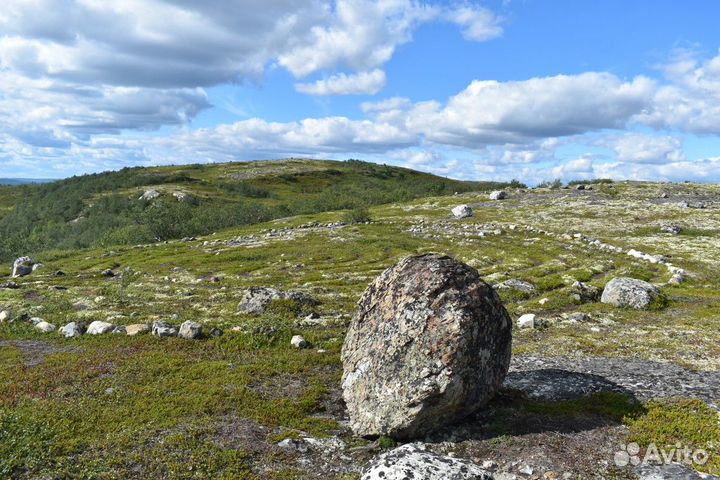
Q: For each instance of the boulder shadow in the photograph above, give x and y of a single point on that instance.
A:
(547, 400)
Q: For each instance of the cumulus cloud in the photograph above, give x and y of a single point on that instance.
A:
(363, 83)
(642, 148)
(479, 24)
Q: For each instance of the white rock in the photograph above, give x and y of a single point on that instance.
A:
(5, 316)
(190, 330)
(72, 329)
(99, 328)
(498, 195)
(149, 195)
(413, 461)
(298, 341)
(543, 301)
(526, 321)
(45, 327)
(462, 211)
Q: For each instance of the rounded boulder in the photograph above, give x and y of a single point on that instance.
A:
(429, 345)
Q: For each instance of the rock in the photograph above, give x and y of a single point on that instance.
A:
(256, 299)
(107, 273)
(579, 317)
(414, 462)
(671, 228)
(149, 195)
(515, 284)
(462, 211)
(59, 273)
(37, 266)
(216, 332)
(9, 285)
(73, 329)
(182, 196)
(664, 195)
(163, 329)
(584, 293)
(136, 329)
(677, 279)
(293, 444)
(630, 292)
(543, 301)
(45, 327)
(6, 316)
(580, 187)
(429, 345)
(35, 320)
(99, 328)
(22, 266)
(498, 195)
(119, 330)
(298, 341)
(526, 321)
(190, 330)
(671, 471)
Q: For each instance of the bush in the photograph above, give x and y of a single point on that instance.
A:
(357, 215)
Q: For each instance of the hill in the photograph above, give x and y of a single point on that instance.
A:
(23, 181)
(115, 406)
(109, 208)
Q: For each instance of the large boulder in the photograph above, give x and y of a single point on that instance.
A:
(149, 195)
(429, 345)
(462, 211)
(22, 266)
(630, 292)
(498, 195)
(73, 329)
(99, 328)
(257, 299)
(414, 462)
(190, 330)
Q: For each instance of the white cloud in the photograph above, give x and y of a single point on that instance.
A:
(363, 83)
(642, 148)
(479, 24)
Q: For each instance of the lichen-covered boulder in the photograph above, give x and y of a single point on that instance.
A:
(462, 211)
(190, 330)
(498, 195)
(257, 299)
(413, 462)
(22, 266)
(99, 328)
(429, 344)
(630, 292)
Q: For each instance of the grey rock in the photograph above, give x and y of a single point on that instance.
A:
(671, 228)
(9, 285)
(99, 328)
(149, 195)
(412, 461)
(555, 385)
(515, 284)
(164, 329)
(498, 195)
(672, 471)
(298, 341)
(119, 330)
(37, 266)
(107, 273)
(462, 211)
(22, 266)
(429, 345)
(216, 332)
(45, 327)
(73, 329)
(256, 299)
(182, 196)
(579, 317)
(584, 293)
(580, 187)
(190, 330)
(629, 292)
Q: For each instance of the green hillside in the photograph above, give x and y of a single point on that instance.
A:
(106, 209)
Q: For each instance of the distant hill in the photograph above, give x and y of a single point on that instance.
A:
(113, 208)
(23, 181)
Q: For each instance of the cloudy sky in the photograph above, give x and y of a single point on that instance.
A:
(526, 89)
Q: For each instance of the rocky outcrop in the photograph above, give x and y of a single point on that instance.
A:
(256, 299)
(429, 344)
(462, 211)
(412, 461)
(22, 266)
(149, 195)
(630, 292)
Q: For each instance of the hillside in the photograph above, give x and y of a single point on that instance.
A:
(248, 404)
(107, 208)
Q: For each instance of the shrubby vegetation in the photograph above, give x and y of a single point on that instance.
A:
(104, 209)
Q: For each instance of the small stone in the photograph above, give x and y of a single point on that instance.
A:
(580, 187)
(37, 266)
(579, 317)
(672, 229)
(119, 330)
(163, 329)
(551, 475)
(489, 465)
(73, 329)
(298, 341)
(526, 470)
(190, 330)
(216, 332)
(5, 316)
(107, 273)
(9, 285)
(45, 327)
(136, 329)
(35, 320)
(59, 273)
(526, 321)
(515, 284)
(462, 211)
(543, 301)
(99, 328)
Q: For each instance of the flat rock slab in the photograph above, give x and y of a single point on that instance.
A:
(643, 379)
(556, 385)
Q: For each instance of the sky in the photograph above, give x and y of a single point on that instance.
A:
(509, 89)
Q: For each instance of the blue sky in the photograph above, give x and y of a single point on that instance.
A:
(532, 89)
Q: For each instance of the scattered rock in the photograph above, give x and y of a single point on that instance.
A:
(584, 293)
(164, 329)
(149, 195)
(429, 345)
(5, 316)
(45, 327)
(137, 329)
(462, 211)
(182, 196)
(99, 328)
(298, 341)
(73, 329)
(526, 321)
(107, 273)
(9, 285)
(515, 284)
(256, 299)
(190, 330)
(630, 292)
(35, 320)
(412, 461)
(671, 228)
(579, 317)
(119, 330)
(216, 332)
(22, 266)
(580, 187)
(37, 266)
(498, 195)
(676, 279)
